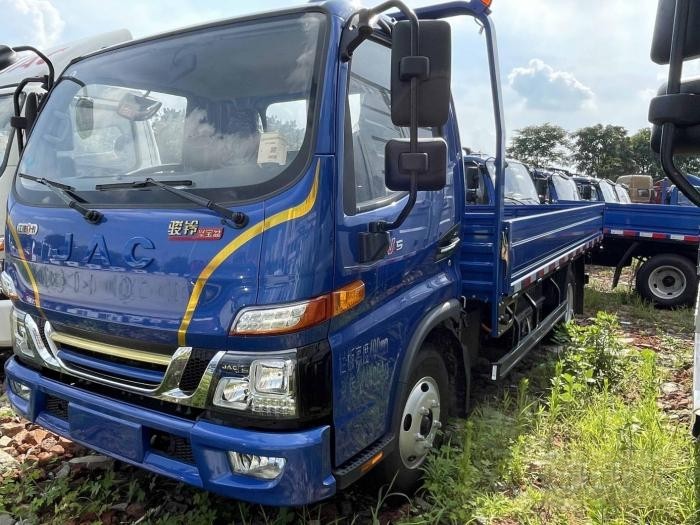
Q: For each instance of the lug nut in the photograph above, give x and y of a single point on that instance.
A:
(424, 411)
(420, 437)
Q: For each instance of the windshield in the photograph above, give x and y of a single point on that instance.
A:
(6, 112)
(519, 186)
(228, 110)
(608, 192)
(566, 188)
(622, 194)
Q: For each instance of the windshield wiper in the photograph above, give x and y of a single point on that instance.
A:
(67, 194)
(238, 218)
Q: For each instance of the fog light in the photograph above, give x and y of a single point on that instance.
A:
(261, 467)
(20, 389)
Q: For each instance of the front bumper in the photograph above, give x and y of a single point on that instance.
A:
(124, 431)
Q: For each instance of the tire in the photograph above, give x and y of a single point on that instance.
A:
(668, 280)
(570, 298)
(419, 424)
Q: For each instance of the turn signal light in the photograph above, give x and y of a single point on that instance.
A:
(348, 297)
(288, 318)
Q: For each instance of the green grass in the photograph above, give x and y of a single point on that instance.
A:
(592, 446)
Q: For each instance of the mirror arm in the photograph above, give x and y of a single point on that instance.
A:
(668, 129)
(51, 76)
(668, 165)
(17, 119)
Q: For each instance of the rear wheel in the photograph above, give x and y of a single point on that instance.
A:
(570, 299)
(424, 412)
(668, 280)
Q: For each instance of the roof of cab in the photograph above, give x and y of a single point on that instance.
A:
(29, 65)
(342, 9)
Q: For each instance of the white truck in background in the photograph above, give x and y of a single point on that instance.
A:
(30, 65)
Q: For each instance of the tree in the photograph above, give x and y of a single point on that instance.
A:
(603, 151)
(540, 146)
(642, 157)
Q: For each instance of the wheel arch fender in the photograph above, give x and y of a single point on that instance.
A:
(437, 317)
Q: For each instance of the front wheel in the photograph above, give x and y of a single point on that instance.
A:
(668, 280)
(424, 412)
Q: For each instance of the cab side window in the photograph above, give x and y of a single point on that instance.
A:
(369, 127)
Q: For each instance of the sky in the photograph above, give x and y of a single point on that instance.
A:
(568, 62)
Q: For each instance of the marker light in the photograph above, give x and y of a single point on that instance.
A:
(2, 243)
(282, 319)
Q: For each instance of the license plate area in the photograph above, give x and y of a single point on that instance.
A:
(122, 438)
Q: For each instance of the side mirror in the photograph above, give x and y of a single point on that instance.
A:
(663, 32)
(431, 68)
(683, 110)
(432, 171)
(31, 110)
(429, 72)
(7, 57)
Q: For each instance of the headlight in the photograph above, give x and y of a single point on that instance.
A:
(265, 387)
(287, 318)
(281, 319)
(286, 389)
(7, 286)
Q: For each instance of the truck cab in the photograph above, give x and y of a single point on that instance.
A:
(274, 285)
(593, 189)
(481, 176)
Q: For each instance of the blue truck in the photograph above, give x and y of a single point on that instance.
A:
(664, 238)
(289, 290)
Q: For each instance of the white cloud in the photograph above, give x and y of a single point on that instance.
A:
(545, 88)
(40, 21)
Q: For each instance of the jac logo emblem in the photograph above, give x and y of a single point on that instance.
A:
(27, 228)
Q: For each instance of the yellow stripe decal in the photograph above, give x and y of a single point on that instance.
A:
(290, 214)
(22, 257)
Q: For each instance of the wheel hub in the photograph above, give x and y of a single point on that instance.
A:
(420, 422)
(667, 282)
